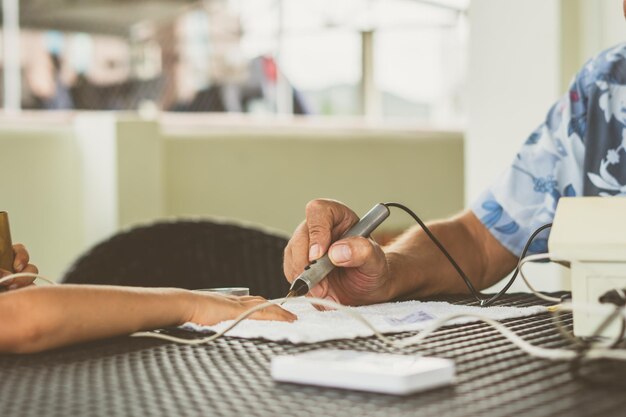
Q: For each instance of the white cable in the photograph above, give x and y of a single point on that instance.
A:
(26, 275)
(536, 351)
(315, 301)
(535, 258)
(533, 350)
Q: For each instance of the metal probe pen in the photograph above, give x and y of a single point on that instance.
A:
(317, 270)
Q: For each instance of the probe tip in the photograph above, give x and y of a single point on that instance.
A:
(289, 295)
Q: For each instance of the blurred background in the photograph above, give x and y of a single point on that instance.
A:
(118, 113)
(397, 58)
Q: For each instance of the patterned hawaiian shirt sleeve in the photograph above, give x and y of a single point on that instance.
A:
(548, 165)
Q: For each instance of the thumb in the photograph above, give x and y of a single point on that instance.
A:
(359, 252)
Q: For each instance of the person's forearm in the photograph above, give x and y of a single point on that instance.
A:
(418, 267)
(47, 317)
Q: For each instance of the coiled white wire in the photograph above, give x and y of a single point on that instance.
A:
(26, 275)
(533, 350)
(535, 258)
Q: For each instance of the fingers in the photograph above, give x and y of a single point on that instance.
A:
(320, 290)
(328, 295)
(296, 255)
(20, 264)
(247, 297)
(21, 258)
(19, 281)
(30, 268)
(358, 252)
(210, 308)
(272, 312)
(326, 221)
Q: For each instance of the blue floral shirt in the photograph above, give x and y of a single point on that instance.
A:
(580, 149)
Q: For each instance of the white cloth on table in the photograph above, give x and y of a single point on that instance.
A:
(317, 326)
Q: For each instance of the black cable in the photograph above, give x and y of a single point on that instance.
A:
(617, 297)
(475, 293)
(490, 301)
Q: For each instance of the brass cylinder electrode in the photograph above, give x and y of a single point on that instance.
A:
(6, 247)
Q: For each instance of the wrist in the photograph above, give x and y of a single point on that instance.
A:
(187, 302)
(393, 289)
(402, 275)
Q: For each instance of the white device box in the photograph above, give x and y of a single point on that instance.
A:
(590, 232)
(364, 371)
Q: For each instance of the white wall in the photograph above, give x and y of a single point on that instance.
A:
(602, 25)
(513, 79)
(121, 160)
(267, 174)
(588, 27)
(41, 190)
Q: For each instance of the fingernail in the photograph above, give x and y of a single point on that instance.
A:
(13, 287)
(19, 267)
(314, 252)
(340, 253)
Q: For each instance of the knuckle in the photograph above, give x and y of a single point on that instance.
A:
(366, 246)
(317, 230)
(363, 249)
(314, 205)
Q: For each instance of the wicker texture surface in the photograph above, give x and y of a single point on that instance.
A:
(133, 377)
(187, 254)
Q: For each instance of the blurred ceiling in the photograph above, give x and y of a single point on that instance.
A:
(113, 17)
(119, 17)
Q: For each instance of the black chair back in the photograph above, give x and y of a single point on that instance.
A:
(187, 254)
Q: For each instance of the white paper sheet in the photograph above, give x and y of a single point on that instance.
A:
(317, 326)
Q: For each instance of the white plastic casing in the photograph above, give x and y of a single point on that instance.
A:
(590, 232)
(589, 281)
(589, 229)
(364, 371)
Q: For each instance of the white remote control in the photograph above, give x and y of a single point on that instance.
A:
(364, 371)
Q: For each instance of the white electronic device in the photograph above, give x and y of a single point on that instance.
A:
(590, 233)
(364, 371)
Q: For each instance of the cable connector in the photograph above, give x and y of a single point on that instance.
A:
(616, 296)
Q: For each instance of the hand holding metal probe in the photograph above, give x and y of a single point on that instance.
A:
(317, 270)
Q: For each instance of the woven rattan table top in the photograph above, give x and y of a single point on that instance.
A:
(134, 377)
